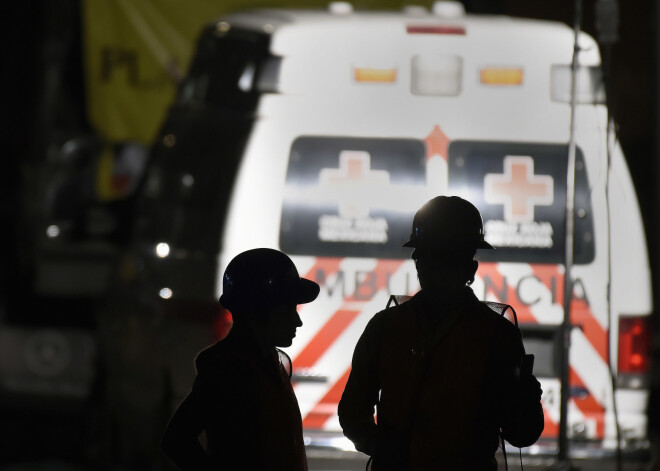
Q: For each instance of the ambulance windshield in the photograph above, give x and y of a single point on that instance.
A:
(225, 69)
(194, 162)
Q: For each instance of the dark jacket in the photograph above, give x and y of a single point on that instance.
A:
(242, 398)
(442, 395)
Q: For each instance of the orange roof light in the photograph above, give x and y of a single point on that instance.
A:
(501, 76)
(374, 75)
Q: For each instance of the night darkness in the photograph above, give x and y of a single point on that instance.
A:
(43, 103)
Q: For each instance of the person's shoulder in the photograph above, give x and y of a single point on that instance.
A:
(479, 308)
(396, 311)
(221, 356)
(387, 317)
(209, 356)
(496, 319)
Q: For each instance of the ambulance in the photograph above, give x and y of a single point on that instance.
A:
(321, 132)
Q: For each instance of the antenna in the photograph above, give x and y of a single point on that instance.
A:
(563, 458)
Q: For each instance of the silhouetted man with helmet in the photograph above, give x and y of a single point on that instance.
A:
(242, 396)
(442, 370)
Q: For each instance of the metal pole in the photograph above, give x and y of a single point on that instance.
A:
(607, 25)
(563, 446)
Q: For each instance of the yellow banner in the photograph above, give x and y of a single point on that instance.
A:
(137, 51)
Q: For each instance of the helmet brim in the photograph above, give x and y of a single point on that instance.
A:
(307, 291)
(481, 245)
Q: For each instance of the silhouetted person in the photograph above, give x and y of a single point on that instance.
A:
(442, 368)
(242, 395)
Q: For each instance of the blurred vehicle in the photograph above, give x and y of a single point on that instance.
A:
(81, 201)
(320, 133)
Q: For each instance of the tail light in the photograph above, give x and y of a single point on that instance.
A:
(634, 345)
(222, 324)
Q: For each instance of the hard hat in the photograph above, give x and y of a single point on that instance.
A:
(447, 223)
(263, 278)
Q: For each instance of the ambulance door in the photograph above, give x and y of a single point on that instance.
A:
(520, 189)
(348, 207)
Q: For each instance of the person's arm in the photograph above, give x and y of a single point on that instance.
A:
(524, 422)
(358, 401)
(180, 441)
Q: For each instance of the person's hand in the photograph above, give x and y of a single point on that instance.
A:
(525, 424)
(390, 448)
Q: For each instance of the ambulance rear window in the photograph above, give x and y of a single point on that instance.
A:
(357, 196)
(352, 196)
(520, 189)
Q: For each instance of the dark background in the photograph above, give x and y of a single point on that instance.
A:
(43, 105)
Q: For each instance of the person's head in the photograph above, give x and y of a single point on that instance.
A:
(446, 233)
(262, 288)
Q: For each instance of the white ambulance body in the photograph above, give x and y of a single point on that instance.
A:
(367, 115)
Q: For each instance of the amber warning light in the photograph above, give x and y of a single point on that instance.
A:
(501, 76)
(361, 74)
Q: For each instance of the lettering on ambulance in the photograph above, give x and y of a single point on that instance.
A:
(325, 268)
(496, 285)
(550, 278)
(367, 285)
(525, 293)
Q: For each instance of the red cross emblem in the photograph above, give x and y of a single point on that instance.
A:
(518, 189)
(354, 183)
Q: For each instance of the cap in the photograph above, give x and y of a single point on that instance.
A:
(263, 278)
